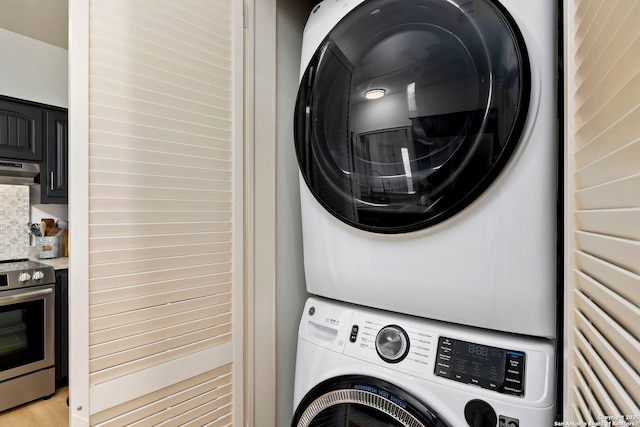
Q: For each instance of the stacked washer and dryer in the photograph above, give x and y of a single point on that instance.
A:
(426, 137)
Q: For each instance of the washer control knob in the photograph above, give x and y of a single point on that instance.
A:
(24, 277)
(392, 344)
(38, 275)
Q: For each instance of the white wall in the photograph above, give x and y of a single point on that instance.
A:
(33, 70)
(290, 286)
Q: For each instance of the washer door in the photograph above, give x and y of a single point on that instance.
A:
(359, 401)
(409, 110)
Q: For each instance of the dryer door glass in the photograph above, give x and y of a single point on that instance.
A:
(409, 110)
(359, 401)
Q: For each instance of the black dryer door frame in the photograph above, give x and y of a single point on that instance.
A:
(453, 90)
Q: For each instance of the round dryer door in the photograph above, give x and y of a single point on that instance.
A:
(409, 110)
(352, 401)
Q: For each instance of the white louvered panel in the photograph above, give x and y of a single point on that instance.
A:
(160, 263)
(155, 403)
(622, 311)
(154, 198)
(185, 102)
(210, 404)
(153, 118)
(172, 341)
(604, 404)
(150, 206)
(620, 193)
(593, 66)
(603, 112)
(619, 280)
(155, 336)
(160, 216)
(579, 403)
(585, 12)
(154, 35)
(157, 251)
(107, 124)
(614, 370)
(621, 252)
(139, 321)
(615, 93)
(624, 343)
(106, 247)
(623, 223)
(588, 404)
(178, 184)
(115, 281)
(162, 212)
(221, 283)
(126, 167)
(172, 158)
(110, 293)
(151, 360)
(617, 164)
(140, 302)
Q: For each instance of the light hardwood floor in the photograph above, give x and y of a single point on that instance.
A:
(53, 412)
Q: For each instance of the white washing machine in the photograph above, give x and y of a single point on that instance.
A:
(426, 137)
(358, 366)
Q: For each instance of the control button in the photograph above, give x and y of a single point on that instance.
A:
(443, 372)
(354, 333)
(392, 344)
(444, 357)
(514, 363)
(513, 381)
(38, 275)
(24, 277)
(513, 390)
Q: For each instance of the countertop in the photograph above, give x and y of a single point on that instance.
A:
(60, 263)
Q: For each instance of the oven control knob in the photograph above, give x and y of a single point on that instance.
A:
(24, 277)
(38, 275)
(392, 344)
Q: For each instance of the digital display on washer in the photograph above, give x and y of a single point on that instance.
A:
(492, 368)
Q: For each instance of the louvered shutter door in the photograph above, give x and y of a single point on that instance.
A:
(164, 224)
(602, 314)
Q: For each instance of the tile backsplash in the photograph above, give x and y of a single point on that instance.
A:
(14, 217)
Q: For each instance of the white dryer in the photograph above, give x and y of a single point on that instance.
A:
(426, 137)
(357, 366)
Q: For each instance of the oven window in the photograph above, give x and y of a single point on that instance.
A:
(21, 334)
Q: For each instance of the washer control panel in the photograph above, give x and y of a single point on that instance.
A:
(489, 367)
(487, 364)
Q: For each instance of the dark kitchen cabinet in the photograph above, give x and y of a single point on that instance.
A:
(21, 129)
(62, 327)
(35, 132)
(54, 171)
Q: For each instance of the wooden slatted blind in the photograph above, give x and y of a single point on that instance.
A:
(163, 212)
(602, 57)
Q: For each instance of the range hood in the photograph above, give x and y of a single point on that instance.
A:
(16, 172)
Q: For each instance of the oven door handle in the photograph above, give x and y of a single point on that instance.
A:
(29, 296)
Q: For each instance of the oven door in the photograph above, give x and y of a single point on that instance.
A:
(26, 331)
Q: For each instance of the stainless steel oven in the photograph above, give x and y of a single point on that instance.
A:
(27, 292)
